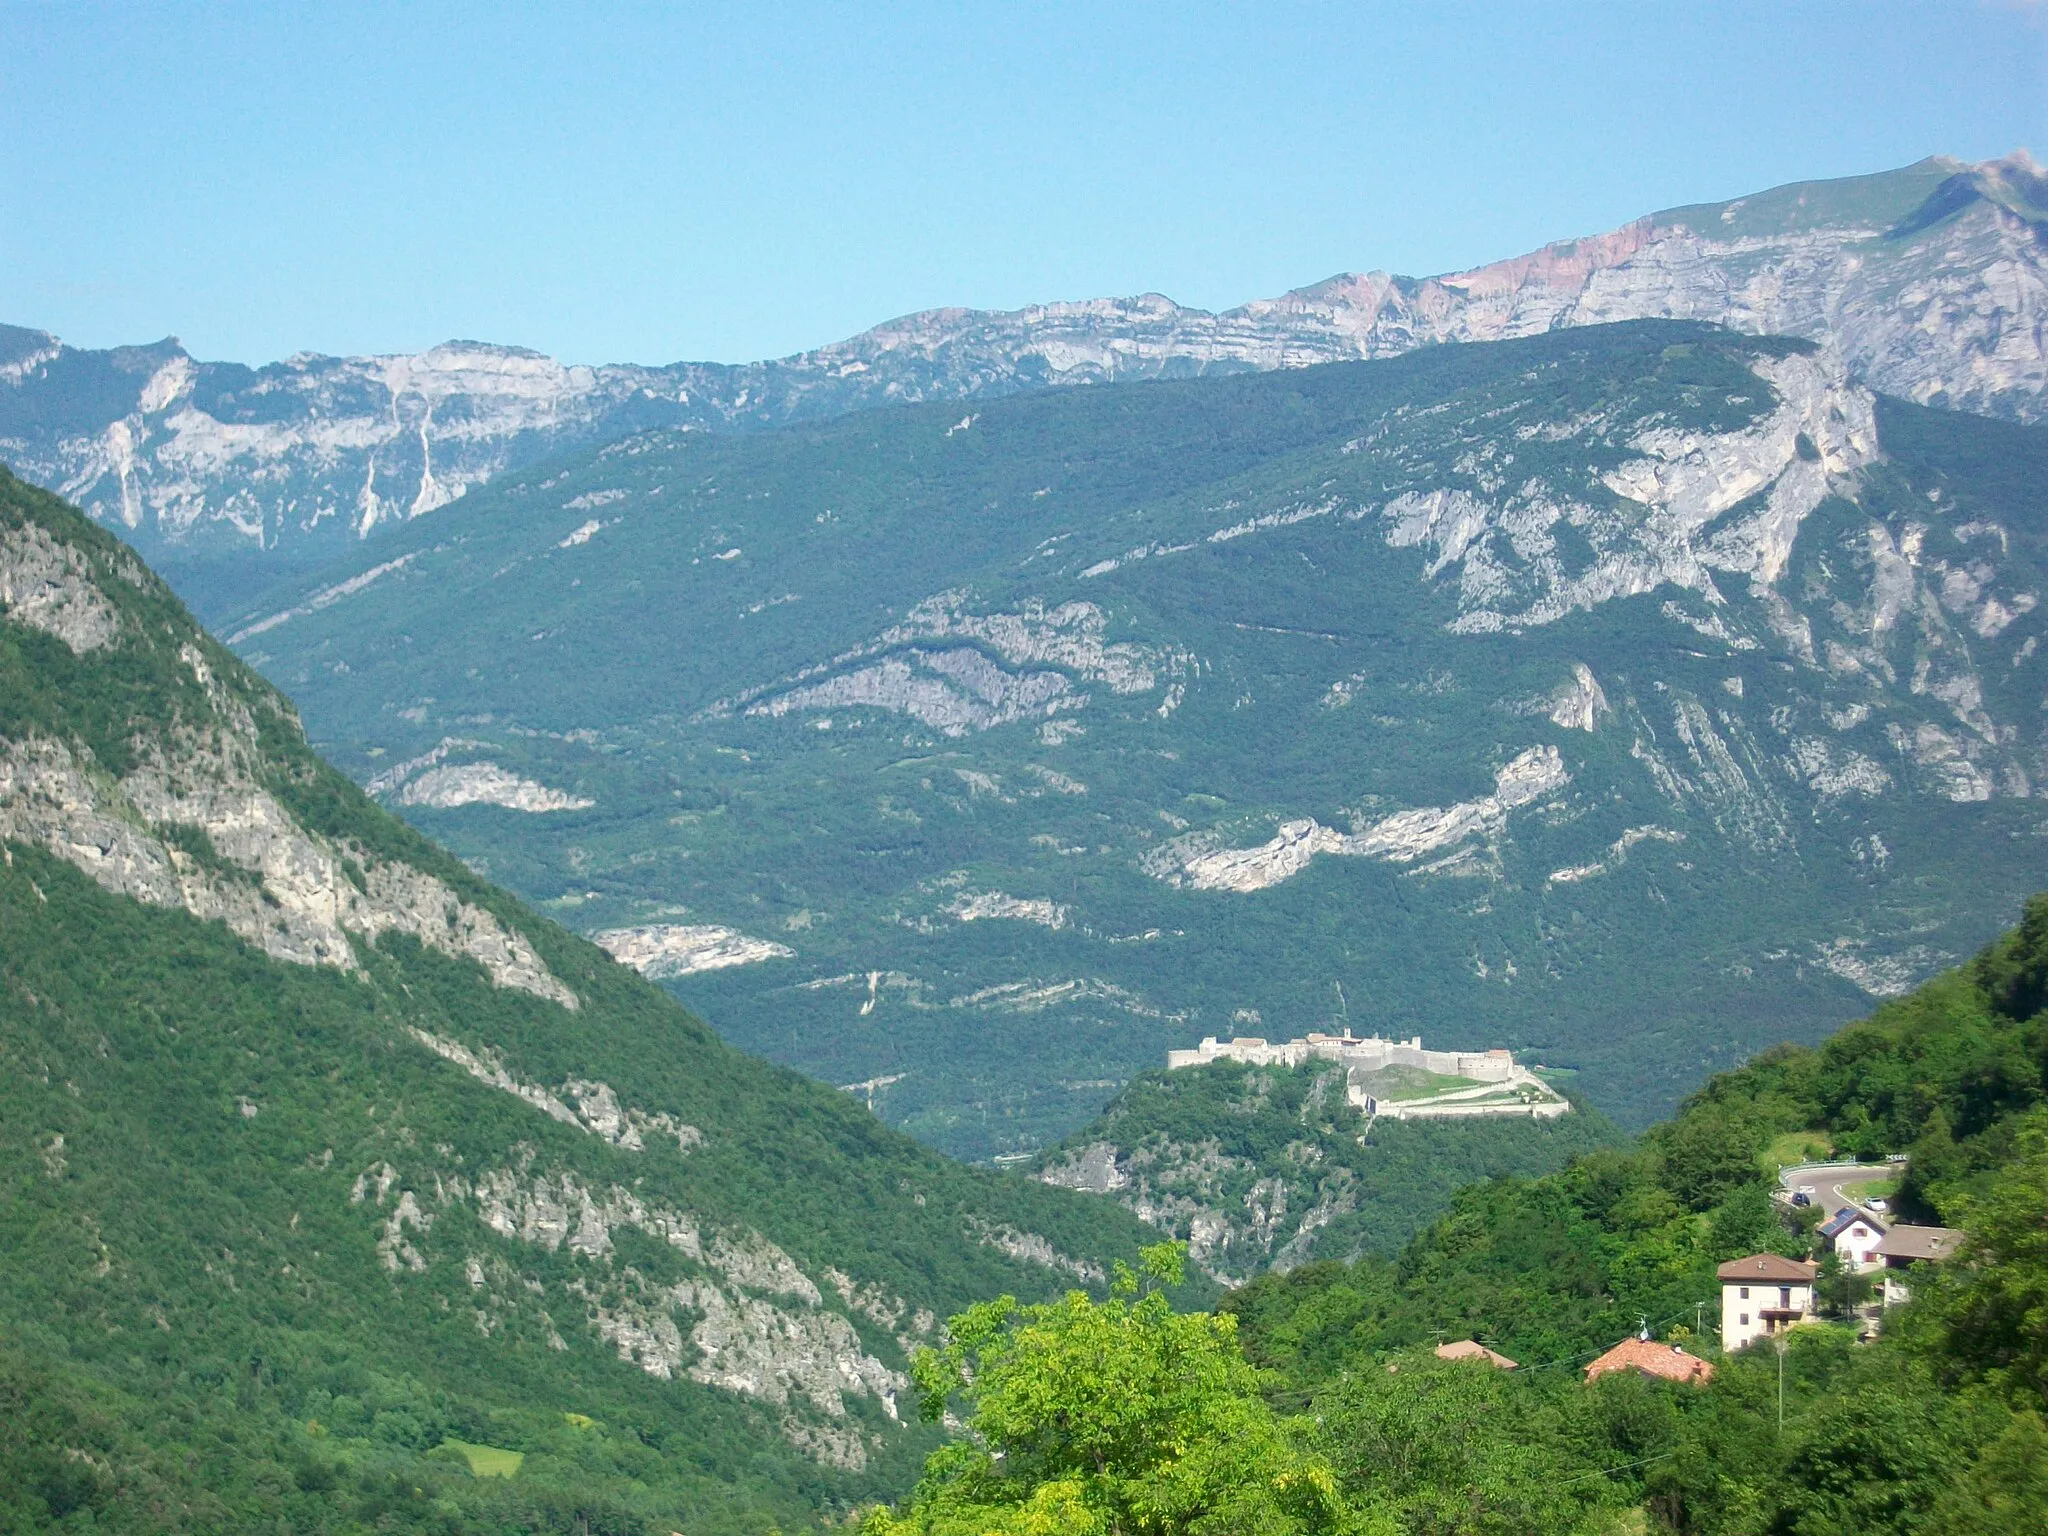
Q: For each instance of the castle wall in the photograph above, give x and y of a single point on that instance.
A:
(1489, 1071)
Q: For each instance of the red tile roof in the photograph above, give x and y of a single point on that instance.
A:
(1667, 1361)
(1766, 1269)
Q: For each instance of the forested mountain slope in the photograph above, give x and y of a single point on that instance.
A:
(324, 1159)
(1928, 279)
(1631, 696)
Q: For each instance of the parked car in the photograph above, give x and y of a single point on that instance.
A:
(1802, 1198)
(1879, 1205)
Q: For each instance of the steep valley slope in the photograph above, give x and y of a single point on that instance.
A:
(332, 1170)
(1929, 281)
(1632, 696)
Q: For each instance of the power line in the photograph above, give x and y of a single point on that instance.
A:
(1626, 1466)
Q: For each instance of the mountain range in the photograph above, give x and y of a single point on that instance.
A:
(334, 1173)
(1633, 696)
(1928, 280)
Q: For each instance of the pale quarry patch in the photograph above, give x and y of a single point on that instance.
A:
(973, 907)
(664, 950)
(582, 534)
(1401, 838)
(451, 785)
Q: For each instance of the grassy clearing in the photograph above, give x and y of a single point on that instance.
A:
(1796, 1147)
(1399, 1084)
(486, 1460)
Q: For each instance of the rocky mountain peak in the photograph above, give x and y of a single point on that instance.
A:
(1927, 281)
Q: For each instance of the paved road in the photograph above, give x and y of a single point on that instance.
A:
(1837, 1184)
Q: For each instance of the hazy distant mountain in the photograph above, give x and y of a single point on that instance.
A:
(1930, 281)
(1634, 696)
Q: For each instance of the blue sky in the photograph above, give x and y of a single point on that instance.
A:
(613, 183)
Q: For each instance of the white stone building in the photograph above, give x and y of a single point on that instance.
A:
(1497, 1085)
(1763, 1295)
(1854, 1235)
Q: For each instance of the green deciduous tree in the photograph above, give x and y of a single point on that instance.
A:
(1119, 1417)
(1994, 1300)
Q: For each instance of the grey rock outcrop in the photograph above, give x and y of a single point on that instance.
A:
(747, 1321)
(192, 820)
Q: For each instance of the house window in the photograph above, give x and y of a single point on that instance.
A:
(1745, 1319)
(1745, 1297)
(1784, 1296)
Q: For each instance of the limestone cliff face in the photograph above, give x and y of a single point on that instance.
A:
(748, 1320)
(1930, 282)
(936, 667)
(194, 817)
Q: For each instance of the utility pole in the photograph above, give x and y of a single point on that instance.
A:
(1781, 1386)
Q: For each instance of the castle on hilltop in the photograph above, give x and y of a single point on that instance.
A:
(1380, 1075)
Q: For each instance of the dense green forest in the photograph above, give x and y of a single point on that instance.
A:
(1313, 1401)
(307, 1246)
(1259, 1167)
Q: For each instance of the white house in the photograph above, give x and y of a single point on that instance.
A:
(1761, 1295)
(1854, 1236)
